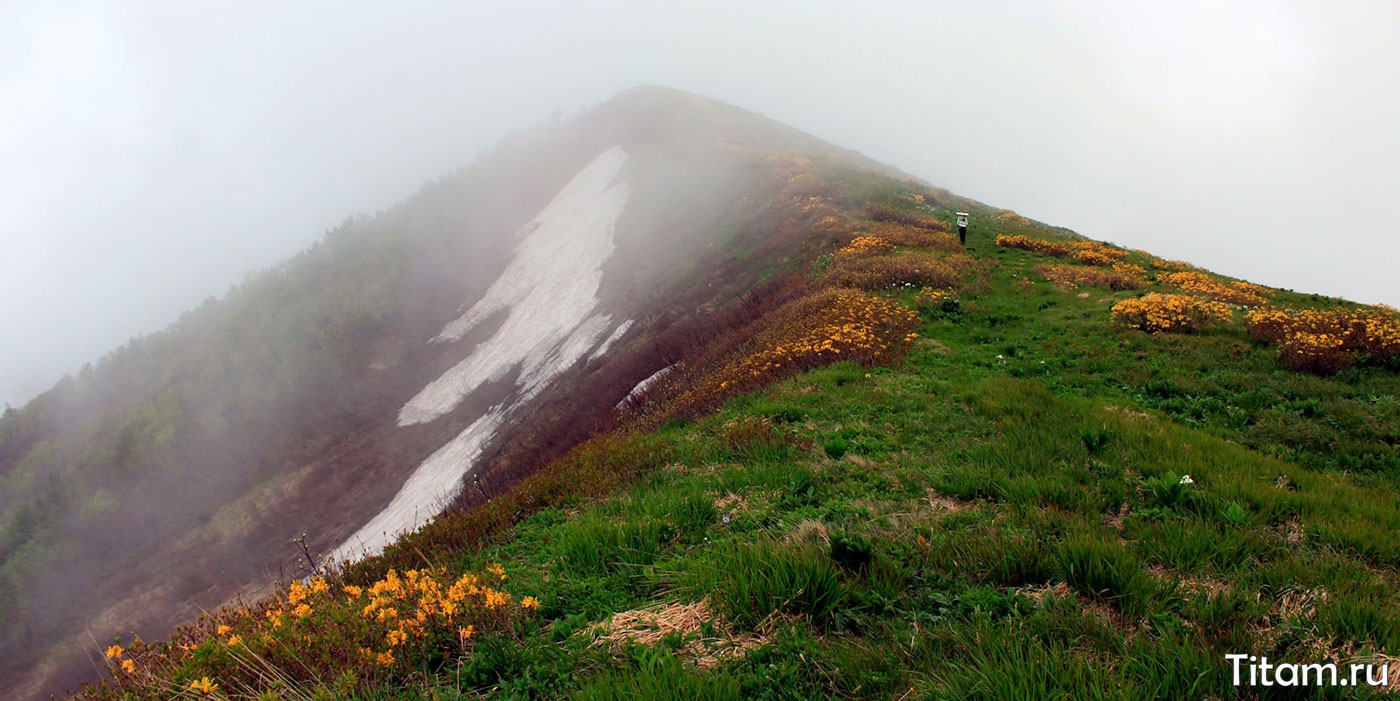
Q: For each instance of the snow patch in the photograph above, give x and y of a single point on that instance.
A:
(617, 333)
(549, 290)
(642, 386)
(428, 490)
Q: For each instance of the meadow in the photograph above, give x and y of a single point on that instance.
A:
(1039, 467)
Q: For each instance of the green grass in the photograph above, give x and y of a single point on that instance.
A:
(1004, 515)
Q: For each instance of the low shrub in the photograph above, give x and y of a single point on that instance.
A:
(1231, 292)
(1169, 313)
(913, 269)
(1317, 353)
(320, 630)
(817, 329)
(1087, 252)
(1119, 276)
(1327, 342)
(864, 245)
(912, 236)
(937, 302)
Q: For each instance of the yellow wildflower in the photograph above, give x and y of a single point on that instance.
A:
(204, 685)
(115, 651)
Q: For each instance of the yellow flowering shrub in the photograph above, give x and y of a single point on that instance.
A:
(1326, 342)
(1320, 353)
(1089, 256)
(317, 630)
(1178, 266)
(935, 300)
(1058, 249)
(1231, 292)
(865, 244)
(820, 328)
(901, 234)
(1087, 252)
(907, 269)
(1120, 276)
(1169, 313)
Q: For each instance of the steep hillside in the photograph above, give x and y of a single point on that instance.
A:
(493, 320)
(1036, 467)
(833, 454)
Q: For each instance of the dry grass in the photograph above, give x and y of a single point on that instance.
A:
(708, 641)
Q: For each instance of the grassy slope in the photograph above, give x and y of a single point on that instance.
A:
(1001, 515)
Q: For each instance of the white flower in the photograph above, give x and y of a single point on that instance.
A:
(1186, 479)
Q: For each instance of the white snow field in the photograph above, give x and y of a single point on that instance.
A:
(549, 292)
(428, 490)
(642, 386)
(617, 333)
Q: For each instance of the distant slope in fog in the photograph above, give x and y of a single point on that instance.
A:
(173, 473)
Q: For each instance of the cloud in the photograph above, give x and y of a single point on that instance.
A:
(154, 152)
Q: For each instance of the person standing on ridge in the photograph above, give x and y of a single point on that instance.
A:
(962, 228)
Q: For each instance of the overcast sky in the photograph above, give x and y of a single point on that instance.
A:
(152, 153)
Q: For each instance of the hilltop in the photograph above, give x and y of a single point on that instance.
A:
(844, 456)
(271, 428)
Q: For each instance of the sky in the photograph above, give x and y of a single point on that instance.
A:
(153, 153)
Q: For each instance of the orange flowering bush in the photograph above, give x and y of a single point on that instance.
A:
(931, 300)
(1326, 342)
(903, 234)
(914, 269)
(1178, 266)
(1170, 313)
(1087, 252)
(1097, 255)
(319, 630)
(865, 244)
(1121, 276)
(1320, 353)
(1058, 249)
(1242, 293)
(821, 328)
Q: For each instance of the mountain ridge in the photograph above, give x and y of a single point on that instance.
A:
(773, 256)
(341, 315)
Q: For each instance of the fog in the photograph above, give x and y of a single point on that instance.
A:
(152, 153)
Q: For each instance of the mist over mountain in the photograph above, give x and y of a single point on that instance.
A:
(174, 473)
(671, 353)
